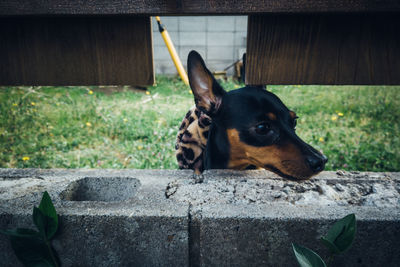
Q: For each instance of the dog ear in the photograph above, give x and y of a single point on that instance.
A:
(206, 90)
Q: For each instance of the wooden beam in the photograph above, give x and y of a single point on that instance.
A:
(76, 51)
(323, 49)
(190, 7)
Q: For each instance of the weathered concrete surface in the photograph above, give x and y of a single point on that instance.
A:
(161, 218)
(143, 230)
(243, 219)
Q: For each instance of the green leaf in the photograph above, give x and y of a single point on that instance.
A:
(40, 220)
(33, 248)
(20, 232)
(332, 247)
(45, 217)
(45, 224)
(31, 251)
(29, 248)
(46, 206)
(341, 235)
(306, 257)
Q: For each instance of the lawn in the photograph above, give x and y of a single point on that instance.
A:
(81, 127)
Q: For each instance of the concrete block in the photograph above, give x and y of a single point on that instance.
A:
(96, 229)
(162, 218)
(240, 39)
(159, 41)
(184, 52)
(265, 240)
(240, 52)
(221, 24)
(220, 53)
(195, 32)
(192, 38)
(112, 240)
(192, 24)
(165, 67)
(244, 219)
(219, 39)
(241, 23)
(161, 53)
(219, 65)
(154, 25)
(170, 23)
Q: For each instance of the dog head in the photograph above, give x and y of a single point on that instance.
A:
(251, 127)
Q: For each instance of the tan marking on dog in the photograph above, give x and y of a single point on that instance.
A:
(288, 159)
(292, 114)
(271, 116)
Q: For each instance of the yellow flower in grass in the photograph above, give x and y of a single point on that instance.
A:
(15, 104)
(125, 119)
(334, 117)
(340, 114)
(190, 92)
(140, 147)
(33, 103)
(26, 158)
(321, 139)
(90, 92)
(147, 93)
(88, 124)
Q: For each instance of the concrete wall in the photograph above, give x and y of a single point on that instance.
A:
(221, 40)
(234, 218)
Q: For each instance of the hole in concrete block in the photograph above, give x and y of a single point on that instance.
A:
(108, 189)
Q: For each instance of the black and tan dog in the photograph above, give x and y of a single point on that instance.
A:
(241, 129)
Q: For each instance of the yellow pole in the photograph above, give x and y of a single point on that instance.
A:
(172, 51)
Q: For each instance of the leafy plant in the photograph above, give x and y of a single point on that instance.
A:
(307, 257)
(33, 248)
(338, 239)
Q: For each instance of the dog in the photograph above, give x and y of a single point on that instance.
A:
(246, 128)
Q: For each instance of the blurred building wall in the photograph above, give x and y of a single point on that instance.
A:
(221, 40)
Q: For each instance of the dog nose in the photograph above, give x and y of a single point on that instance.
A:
(316, 163)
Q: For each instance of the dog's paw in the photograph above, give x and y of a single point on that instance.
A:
(198, 178)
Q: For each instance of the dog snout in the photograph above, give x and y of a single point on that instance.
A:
(316, 162)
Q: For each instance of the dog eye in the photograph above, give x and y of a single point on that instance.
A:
(262, 128)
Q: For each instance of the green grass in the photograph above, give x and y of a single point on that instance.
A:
(59, 127)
